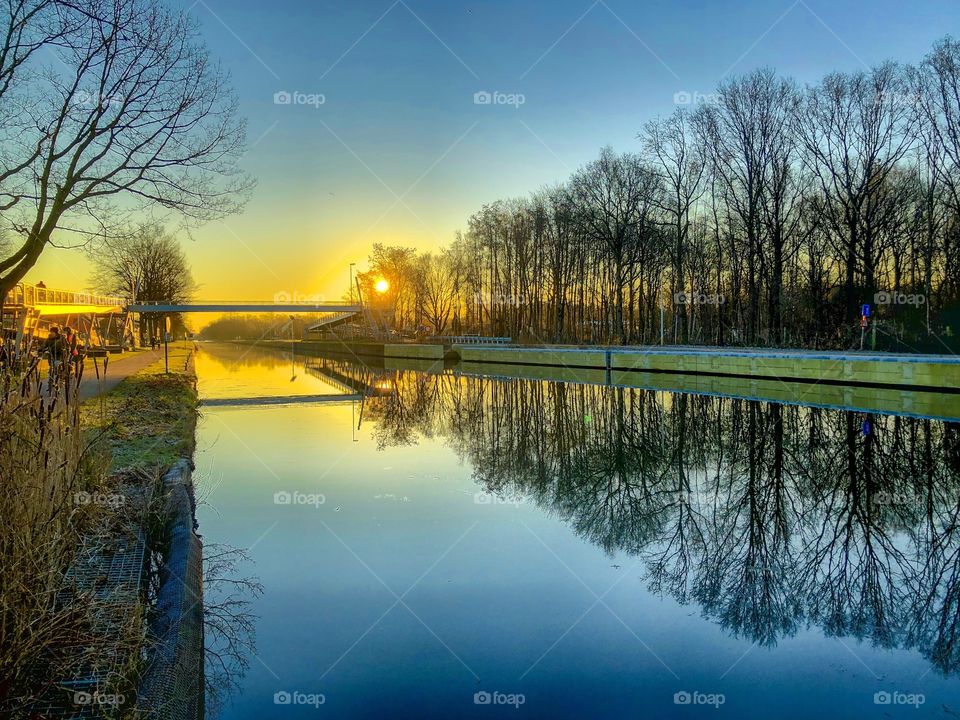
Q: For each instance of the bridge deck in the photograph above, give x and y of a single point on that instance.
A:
(253, 306)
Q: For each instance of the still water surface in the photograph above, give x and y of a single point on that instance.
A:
(575, 551)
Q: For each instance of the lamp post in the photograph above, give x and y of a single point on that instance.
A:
(351, 282)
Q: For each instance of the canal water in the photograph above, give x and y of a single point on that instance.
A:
(431, 545)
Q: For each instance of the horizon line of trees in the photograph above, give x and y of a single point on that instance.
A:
(769, 215)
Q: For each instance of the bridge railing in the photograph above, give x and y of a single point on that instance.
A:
(471, 340)
(26, 294)
(298, 303)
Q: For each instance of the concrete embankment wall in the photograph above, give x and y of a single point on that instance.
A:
(915, 371)
(925, 372)
(920, 385)
(559, 357)
(172, 687)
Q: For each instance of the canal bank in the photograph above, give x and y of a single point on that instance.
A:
(145, 425)
(938, 373)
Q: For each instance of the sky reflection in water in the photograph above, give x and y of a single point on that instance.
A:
(596, 550)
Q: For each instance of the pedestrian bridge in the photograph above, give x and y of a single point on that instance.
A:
(51, 302)
(246, 306)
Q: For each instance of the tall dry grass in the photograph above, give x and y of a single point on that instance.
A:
(46, 468)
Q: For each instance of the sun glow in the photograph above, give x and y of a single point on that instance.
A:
(382, 286)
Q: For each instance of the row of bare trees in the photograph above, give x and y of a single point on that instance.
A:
(768, 215)
(107, 108)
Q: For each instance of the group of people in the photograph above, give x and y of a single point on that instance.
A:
(63, 352)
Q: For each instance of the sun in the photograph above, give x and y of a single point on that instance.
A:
(382, 286)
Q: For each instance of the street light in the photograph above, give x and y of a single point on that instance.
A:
(351, 282)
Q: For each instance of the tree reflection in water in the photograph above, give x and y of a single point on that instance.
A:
(769, 517)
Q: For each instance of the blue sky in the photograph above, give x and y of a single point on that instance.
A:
(399, 120)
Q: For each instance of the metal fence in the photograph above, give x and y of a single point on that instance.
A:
(173, 685)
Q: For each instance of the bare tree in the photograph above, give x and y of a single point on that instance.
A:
(438, 280)
(148, 265)
(937, 84)
(854, 128)
(616, 195)
(677, 157)
(134, 114)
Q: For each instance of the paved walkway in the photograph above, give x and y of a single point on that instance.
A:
(117, 370)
